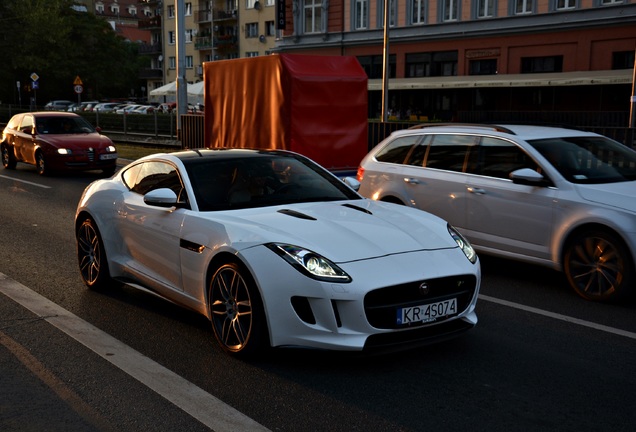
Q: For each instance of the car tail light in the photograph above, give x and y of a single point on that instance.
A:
(360, 174)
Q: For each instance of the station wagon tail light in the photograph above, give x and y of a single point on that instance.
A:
(463, 244)
(310, 263)
(360, 174)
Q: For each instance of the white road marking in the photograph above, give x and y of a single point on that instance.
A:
(557, 316)
(201, 405)
(27, 182)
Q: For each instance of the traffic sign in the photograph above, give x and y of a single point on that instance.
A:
(79, 89)
(34, 77)
(78, 81)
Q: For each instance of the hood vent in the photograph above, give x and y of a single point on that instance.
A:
(351, 206)
(296, 214)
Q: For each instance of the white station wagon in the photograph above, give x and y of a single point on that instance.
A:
(556, 197)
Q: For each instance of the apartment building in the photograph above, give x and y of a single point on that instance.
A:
(449, 59)
(213, 30)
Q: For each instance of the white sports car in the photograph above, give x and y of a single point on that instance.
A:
(276, 251)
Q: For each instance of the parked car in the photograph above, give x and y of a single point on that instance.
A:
(106, 107)
(82, 106)
(127, 109)
(167, 107)
(56, 141)
(276, 251)
(143, 109)
(556, 197)
(58, 105)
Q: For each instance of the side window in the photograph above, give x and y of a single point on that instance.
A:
(450, 152)
(416, 158)
(14, 122)
(156, 175)
(498, 158)
(27, 124)
(397, 150)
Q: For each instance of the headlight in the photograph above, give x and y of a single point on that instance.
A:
(463, 244)
(111, 149)
(64, 151)
(310, 263)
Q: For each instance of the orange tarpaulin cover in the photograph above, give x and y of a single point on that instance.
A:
(313, 105)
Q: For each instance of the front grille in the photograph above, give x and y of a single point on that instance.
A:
(381, 305)
(90, 153)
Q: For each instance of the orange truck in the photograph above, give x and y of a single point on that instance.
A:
(313, 105)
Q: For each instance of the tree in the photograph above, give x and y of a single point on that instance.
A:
(58, 43)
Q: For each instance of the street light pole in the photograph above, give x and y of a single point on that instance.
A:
(182, 84)
(385, 64)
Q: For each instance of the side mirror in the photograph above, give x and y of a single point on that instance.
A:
(529, 177)
(352, 183)
(162, 197)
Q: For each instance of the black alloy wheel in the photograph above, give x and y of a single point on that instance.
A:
(8, 158)
(236, 311)
(91, 256)
(40, 163)
(599, 267)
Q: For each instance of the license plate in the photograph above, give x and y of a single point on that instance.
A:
(427, 312)
(108, 156)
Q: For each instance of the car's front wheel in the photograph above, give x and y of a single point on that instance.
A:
(236, 311)
(40, 163)
(599, 266)
(8, 157)
(91, 256)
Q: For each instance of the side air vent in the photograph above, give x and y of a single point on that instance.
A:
(351, 206)
(296, 214)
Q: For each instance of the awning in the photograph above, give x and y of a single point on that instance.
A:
(622, 76)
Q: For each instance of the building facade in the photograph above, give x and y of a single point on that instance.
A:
(449, 59)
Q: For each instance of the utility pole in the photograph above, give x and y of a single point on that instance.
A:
(632, 114)
(385, 64)
(182, 84)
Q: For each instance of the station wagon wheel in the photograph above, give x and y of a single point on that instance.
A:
(40, 163)
(598, 266)
(8, 158)
(91, 256)
(236, 311)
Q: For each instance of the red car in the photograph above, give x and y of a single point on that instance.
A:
(56, 141)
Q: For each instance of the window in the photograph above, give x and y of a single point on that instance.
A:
(623, 60)
(498, 158)
(270, 2)
(145, 177)
(374, 66)
(251, 30)
(450, 10)
(397, 150)
(189, 64)
(485, 8)
(189, 35)
(392, 13)
(172, 63)
(418, 11)
(170, 11)
(611, 2)
(449, 152)
(313, 16)
(565, 4)
(114, 9)
(188, 9)
(542, 64)
(361, 14)
(251, 54)
(99, 8)
(132, 11)
(483, 67)
(523, 7)
(270, 28)
(441, 63)
(171, 37)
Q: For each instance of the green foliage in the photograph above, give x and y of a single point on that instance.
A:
(58, 43)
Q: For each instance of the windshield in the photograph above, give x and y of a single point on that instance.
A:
(262, 179)
(589, 160)
(63, 125)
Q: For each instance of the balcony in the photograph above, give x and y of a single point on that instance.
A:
(226, 42)
(150, 23)
(150, 73)
(149, 49)
(203, 43)
(225, 15)
(204, 16)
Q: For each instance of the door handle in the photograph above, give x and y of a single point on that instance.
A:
(411, 180)
(478, 191)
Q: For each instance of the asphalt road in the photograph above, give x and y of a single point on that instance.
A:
(540, 359)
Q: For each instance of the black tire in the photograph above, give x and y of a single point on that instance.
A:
(8, 157)
(40, 163)
(91, 256)
(236, 311)
(599, 267)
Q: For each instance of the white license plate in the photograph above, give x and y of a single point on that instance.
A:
(427, 312)
(108, 156)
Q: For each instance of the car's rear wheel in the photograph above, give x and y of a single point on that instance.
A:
(236, 311)
(40, 163)
(91, 256)
(599, 266)
(8, 157)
